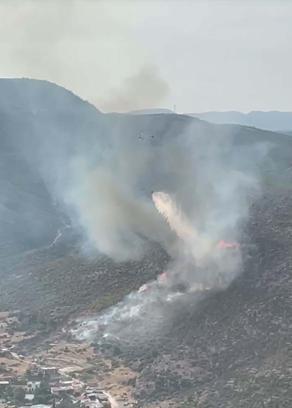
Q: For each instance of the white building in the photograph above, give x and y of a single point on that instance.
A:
(31, 386)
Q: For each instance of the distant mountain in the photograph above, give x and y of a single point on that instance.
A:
(273, 120)
(288, 133)
(154, 111)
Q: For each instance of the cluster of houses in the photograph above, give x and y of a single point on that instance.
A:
(57, 389)
(39, 386)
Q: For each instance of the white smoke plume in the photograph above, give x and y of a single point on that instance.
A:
(207, 182)
(116, 221)
(141, 315)
(189, 192)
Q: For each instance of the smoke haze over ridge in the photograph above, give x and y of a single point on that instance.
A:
(144, 89)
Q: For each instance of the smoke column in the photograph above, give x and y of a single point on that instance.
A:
(201, 185)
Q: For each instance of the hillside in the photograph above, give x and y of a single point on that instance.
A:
(34, 116)
(230, 348)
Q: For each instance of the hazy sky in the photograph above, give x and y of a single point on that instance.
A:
(120, 55)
